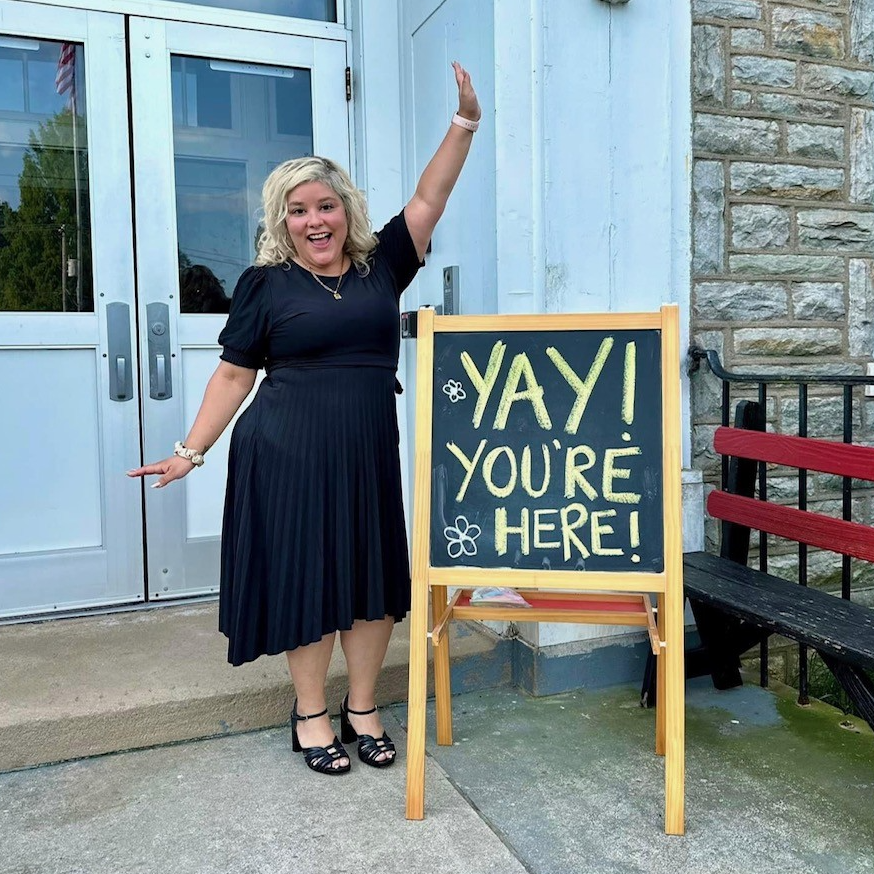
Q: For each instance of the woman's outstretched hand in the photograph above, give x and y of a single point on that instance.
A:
(170, 469)
(468, 105)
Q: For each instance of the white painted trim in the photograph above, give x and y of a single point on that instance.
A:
(681, 193)
(374, 55)
(173, 11)
(538, 156)
(516, 201)
(406, 118)
(377, 122)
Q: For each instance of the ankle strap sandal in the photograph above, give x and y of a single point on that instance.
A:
(369, 748)
(319, 759)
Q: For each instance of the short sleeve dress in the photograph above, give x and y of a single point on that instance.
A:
(313, 533)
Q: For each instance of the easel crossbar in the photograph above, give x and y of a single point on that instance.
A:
(608, 608)
(597, 581)
(549, 322)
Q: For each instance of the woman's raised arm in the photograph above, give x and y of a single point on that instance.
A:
(438, 179)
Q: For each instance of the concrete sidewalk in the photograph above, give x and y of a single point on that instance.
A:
(244, 804)
(572, 784)
(550, 785)
(81, 687)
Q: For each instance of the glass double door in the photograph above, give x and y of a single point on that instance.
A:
(132, 153)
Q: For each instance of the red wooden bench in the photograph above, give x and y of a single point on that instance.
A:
(735, 605)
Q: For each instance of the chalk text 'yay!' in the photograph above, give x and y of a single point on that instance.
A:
(521, 369)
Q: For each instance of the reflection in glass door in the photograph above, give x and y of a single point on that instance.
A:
(241, 103)
(231, 123)
(71, 527)
(45, 259)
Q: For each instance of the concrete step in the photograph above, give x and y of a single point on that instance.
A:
(82, 687)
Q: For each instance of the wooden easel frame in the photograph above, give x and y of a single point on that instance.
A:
(433, 582)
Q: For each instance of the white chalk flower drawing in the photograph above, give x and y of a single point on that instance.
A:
(462, 537)
(455, 391)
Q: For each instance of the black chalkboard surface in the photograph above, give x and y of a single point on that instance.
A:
(547, 450)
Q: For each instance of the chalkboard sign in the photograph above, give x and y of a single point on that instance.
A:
(546, 450)
(548, 461)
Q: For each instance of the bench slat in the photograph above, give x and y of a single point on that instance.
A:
(840, 628)
(836, 535)
(826, 456)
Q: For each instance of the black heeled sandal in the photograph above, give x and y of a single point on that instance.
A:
(319, 759)
(369, 747)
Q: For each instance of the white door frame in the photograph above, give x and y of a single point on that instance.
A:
(172, 10)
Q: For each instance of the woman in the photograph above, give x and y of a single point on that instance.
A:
(313, 537)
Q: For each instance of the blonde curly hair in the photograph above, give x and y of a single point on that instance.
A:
(274, 245)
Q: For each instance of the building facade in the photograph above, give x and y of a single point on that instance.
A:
(783, 221)
(134, 136)
(718, 154)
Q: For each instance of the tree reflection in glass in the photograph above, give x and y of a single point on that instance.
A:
(45, 228)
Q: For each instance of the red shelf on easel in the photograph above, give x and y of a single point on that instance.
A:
(600, 605)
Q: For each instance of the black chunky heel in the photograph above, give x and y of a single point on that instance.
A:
(369, 747)
(319, 759)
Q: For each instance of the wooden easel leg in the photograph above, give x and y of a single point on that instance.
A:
(671, 731)
(417, 701)
(660, 683)
(442, 687)
(675, 718)
(420, 582)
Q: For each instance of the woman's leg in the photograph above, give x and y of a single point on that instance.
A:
(308, 666)
(364, 646)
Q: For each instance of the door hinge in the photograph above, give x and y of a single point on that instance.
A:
(348, 83)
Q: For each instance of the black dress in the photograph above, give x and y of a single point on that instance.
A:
(313, 534)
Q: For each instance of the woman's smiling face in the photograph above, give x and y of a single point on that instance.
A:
(316, 223)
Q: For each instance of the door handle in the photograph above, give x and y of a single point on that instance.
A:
(160, 374)
(118, 336)
(120, 370)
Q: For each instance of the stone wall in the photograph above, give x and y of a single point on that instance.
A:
(783, 210)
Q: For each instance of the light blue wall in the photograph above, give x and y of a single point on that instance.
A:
(434, 34)
(610, 156)
(576, 198)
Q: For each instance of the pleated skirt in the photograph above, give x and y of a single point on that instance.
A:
(313, 534)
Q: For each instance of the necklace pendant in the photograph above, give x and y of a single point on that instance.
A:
(337, 295)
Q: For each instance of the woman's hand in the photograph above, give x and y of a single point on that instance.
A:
(225, 392)
(468, 105)
(170, 469)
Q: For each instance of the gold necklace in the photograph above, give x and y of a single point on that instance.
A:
(334, 291)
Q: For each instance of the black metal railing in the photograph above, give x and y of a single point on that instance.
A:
(762, 381)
